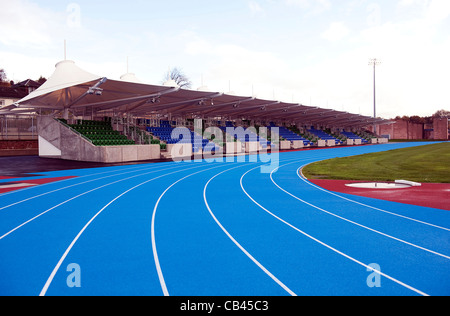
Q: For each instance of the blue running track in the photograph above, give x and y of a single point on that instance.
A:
(217, 229)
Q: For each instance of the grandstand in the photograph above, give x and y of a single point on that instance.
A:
(324, 135)
(290, 135)
(353, 136)
(166, 133)
(83, 99)
(245, 136)
(100, 133)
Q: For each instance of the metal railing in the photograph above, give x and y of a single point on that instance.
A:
(74, 131)
(18, 127)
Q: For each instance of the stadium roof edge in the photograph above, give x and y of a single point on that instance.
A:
(72, 89)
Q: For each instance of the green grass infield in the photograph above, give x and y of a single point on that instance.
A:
(425, 164)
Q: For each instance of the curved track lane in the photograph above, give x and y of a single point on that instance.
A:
(220, 228)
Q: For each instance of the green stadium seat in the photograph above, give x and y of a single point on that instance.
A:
(101, 133)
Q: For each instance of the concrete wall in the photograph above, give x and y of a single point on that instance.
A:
(111, 154)
(415, 131)
(285, 144)
(297, 144)
(233, 147)
(321, 143)
(179, 152)
(57, 141)
(49, 136)
(252, 147)
(440, 126)
(402, 130)
(407, 130)
(331, 142)
(18, 148)
(18, 144)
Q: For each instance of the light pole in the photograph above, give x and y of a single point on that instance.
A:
(374, 62)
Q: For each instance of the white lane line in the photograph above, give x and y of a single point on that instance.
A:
(61, 260)
(155, 252)
(300, 175)
(17, 185)
(328, 246)
(237, 243)
(75, 197)
(357, 224)
(65, 180)
(71, 186)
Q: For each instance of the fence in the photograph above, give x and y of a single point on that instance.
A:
(18, 127)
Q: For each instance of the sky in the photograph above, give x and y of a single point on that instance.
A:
(312, 52)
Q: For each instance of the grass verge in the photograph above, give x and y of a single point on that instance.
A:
(425, 164)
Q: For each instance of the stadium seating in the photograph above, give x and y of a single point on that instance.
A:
(100, 133)
(247, 136)
(165, 134)
(353, 136)
(323, 135)
(290, 135)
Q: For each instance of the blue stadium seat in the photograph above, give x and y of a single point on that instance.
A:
(325, 136)
(290, 135)
(164, 133)
(353, 136)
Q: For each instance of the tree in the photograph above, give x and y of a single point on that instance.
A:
(41, 80)
(442, 113)
(179, 77)
(417, 119)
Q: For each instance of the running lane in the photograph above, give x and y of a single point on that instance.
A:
(38, 227)
(218, 228)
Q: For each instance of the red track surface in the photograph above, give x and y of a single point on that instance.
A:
(428, 195)
(30, 182)
(5, 178)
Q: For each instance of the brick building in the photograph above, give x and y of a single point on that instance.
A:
(406, 130)
(13, 93)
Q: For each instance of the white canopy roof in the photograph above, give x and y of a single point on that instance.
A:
(66, 75)
(70, 87)
(130, 77)
(73, 89)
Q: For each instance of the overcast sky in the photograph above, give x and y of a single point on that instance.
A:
(313, 52)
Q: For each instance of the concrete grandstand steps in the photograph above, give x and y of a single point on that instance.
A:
(59, 140)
